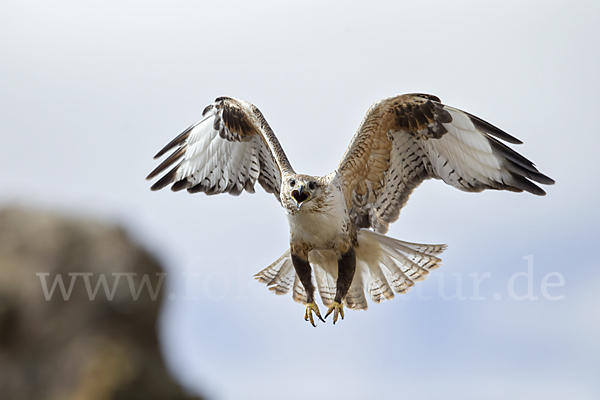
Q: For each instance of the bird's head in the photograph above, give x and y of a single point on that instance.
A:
(301, 192)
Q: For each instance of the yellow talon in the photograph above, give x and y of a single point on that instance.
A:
(336, 308)
(310, 308)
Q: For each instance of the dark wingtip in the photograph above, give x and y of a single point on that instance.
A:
(177, 141)
(177, 154)
(492, 130)
(549, 181)
(156, 187)
(167, 179)
(520, 167)
(180, 185)
(546, 180)
(538, 192)
(163, 151)
(521, 183)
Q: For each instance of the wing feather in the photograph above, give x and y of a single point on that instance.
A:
(227, 151)
(407, 139)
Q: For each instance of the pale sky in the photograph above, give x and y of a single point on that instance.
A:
(90, 91)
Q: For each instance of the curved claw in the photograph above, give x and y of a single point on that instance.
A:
(336, 308)
(310, 308)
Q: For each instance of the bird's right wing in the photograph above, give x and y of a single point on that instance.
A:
(230, 149)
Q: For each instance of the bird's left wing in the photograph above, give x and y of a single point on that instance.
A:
(226, 152)
(406, 139)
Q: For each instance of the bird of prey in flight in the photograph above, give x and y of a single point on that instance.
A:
(338, 221)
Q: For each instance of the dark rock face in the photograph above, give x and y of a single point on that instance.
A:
(78, 341)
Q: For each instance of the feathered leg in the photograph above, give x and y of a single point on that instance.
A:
(302, 267)
(346, 269)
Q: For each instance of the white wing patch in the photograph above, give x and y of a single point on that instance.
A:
(216, 160)
(463, 157)
(217, 164)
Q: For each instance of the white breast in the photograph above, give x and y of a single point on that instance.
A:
(322, 229)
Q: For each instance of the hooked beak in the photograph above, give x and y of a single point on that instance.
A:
(300, 195)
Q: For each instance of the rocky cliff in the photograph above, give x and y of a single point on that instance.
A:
(79, 303)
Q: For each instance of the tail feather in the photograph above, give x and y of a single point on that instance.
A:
(398, 280)
(423, 260)
(355, 299)
(279, 276)
(378, 286)
(429, 249)
(414, 271)
(384, 266)
(299, 294)
(417, 250)
(324, 265)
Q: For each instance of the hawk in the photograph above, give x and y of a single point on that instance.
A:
(338, 221)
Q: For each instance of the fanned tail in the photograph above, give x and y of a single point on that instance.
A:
(394, 265)
(384, 266)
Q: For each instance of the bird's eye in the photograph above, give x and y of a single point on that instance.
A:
(292, 182)
(312, 185)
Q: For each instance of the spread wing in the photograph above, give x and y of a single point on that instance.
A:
(226, 152)
(406, 139)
